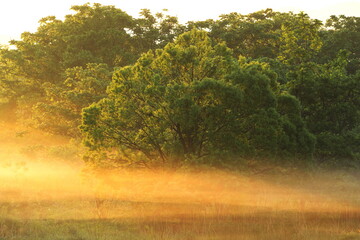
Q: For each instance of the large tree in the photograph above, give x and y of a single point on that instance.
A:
(34, 72)
(192, 101)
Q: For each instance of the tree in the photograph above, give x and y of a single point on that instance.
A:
(300, 40)
(153, 31)
(253, 35)
(60, 112)
(342, 33)
(330, 106)
(189, 101)
(15, 89)
(97, 34)
(94, 34)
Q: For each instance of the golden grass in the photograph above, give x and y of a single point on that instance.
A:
(48, 199)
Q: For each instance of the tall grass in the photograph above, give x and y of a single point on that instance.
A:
(42, 197)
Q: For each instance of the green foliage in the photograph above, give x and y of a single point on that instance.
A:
(94, 34)
(273, 119)
(160, 106)
(60, 113)
(155, 31)
(190, 101)
(297, 139)
(35, 67)
(331, 100)
(342, 32)
(251, 35)
(300, 40)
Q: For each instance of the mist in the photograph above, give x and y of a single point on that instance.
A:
(38, 191)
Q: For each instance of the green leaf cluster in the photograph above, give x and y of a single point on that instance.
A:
(192, 101)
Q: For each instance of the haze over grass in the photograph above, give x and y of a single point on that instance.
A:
(57, 199)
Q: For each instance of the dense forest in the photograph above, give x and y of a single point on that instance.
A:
(150, 91)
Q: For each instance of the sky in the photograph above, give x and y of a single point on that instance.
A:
(17, 16)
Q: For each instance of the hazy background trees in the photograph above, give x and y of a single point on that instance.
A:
(267, 85)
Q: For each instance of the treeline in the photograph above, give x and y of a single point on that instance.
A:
(149, 90)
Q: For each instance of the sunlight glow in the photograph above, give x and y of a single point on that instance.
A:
(17, 16)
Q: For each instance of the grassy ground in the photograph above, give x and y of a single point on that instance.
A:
(44, 197)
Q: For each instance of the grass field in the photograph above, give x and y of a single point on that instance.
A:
(43, 197)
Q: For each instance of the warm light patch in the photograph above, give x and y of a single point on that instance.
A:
(170, 202)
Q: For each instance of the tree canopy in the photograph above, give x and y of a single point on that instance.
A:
(192, 101)
(266, 85)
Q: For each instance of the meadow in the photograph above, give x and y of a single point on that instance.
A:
(246, 126)
(46, 192)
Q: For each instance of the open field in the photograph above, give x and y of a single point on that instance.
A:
(146, 126)
(44, 198)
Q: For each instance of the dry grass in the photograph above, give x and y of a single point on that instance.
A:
(45, 199)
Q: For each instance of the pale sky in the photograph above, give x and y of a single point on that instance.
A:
(17, 16)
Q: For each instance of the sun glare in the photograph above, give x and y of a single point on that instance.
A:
(18, 16)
